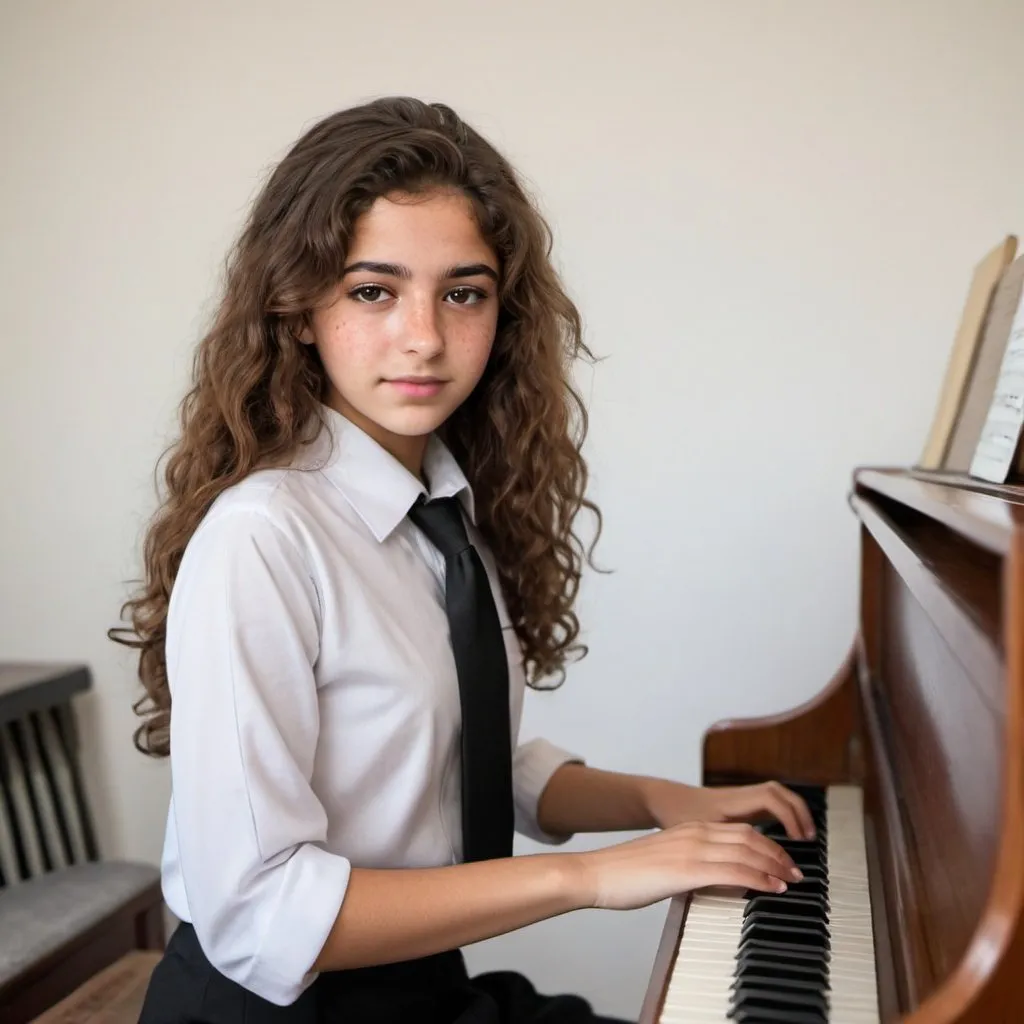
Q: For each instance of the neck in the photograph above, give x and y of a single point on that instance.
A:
(408, 450)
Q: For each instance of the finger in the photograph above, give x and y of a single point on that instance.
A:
(803, 812)
(730, 853)
(739, 875)
(747, 835)
(786, 813)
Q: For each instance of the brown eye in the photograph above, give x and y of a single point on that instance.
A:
(360, 293)
(471, 296)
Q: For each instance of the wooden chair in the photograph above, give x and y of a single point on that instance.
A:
(65, 911)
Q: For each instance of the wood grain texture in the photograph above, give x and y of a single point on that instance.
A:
(946, 752)
(815, 743)
(961, 596)
(114, 996)
(979, 515)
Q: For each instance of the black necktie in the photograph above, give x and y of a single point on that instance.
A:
(487, 810)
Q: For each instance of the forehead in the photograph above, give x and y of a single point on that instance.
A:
(428, 227)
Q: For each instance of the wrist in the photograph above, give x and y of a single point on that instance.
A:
(578, 879)
(649, 794)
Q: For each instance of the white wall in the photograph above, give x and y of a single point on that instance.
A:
(767, 211)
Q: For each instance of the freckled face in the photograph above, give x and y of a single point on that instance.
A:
(407, 332)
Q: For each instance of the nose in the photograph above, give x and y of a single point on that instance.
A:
(421, 330)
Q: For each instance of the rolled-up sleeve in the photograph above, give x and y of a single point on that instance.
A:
(242, 638)
(533, 764)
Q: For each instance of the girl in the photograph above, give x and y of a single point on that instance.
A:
(365, 552)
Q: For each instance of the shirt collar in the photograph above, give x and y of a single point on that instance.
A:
(377, 486)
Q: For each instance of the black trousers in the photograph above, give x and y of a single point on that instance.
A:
(185, 988)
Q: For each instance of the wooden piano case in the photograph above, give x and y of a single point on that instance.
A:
(927, 715)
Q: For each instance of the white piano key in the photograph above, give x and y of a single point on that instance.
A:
(698, 991)
(852, 980)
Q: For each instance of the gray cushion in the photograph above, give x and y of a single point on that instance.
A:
(38, 916)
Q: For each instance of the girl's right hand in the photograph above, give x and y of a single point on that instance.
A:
(689, 856)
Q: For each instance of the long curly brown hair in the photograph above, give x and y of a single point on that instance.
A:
(256, 390)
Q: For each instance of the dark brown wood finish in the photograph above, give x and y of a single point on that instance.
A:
(927, 714)
(883, 838)
(945, 748)
(817, 742)
(981, 516)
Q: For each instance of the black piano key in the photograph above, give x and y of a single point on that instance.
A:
(812, 867)
(792, 1002)
(770, 980)
(820, 822)
(812, 909)
(771, 1016)
(774, 828)
(802, 847)
(774, 919)
(800, 857)
(817, 872)
(813, 843)
(816, 887)
(773, 952)
(808, 887)
(767, 995)
(799, 913)
(815, 846)
(819, 817)
(814, 952)
(766, 930)
(774, 940)
(814, 796)
(782, 965)
(813, 973)
(807, 906)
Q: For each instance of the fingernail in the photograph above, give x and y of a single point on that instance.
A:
(797, 874)
(780, 885)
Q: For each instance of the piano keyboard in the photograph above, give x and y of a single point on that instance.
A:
(803, 957)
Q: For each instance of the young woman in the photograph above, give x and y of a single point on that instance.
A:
(365, 552)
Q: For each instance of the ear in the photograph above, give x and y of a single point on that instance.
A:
(302, 330)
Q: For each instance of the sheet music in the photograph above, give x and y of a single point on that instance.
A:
(998, 443)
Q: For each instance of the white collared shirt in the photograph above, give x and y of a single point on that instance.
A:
(315, 704)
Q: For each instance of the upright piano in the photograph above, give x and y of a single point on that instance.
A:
(912, 757)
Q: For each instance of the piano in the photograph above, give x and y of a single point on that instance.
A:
(912, 757)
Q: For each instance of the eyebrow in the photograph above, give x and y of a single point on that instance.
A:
(397, 270)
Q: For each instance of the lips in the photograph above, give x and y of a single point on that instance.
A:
(416, 387)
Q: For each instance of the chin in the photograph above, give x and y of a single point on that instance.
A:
(413, 422)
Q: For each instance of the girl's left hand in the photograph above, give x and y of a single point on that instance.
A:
(671, 803)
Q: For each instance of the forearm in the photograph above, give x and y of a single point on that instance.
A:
(403, 914)
(579, 798)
